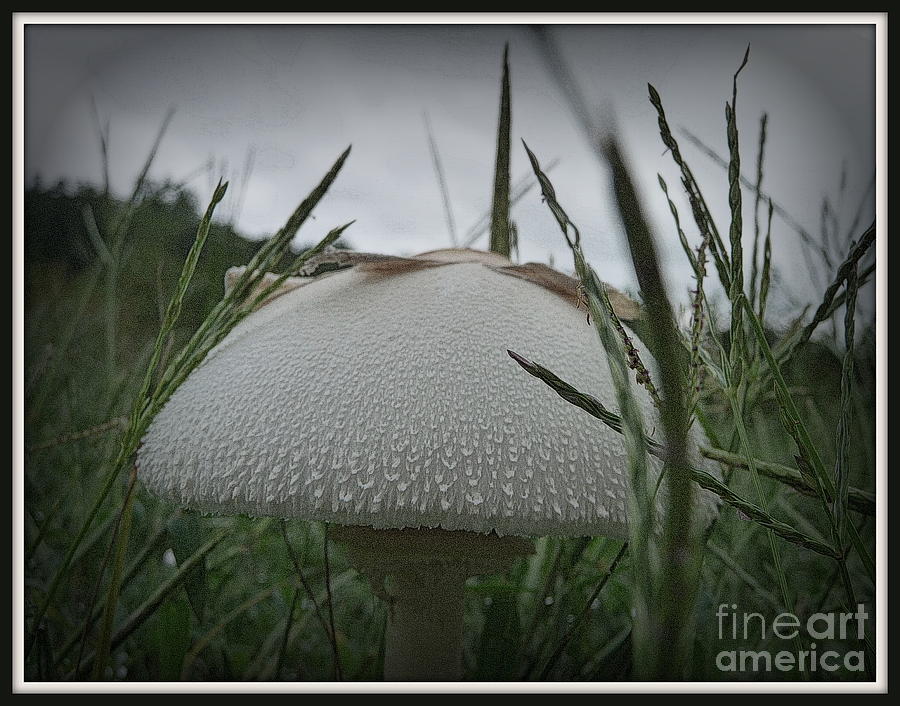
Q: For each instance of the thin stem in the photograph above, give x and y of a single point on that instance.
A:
(288, 624)
(585, 612)
(338, 672)
(306, 586)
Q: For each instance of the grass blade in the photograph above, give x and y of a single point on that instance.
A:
(701, 212)
(500, 231)
(326, 627)
(641, 509)
(824, 311)
(583, 615)
(201, 644)
(137, 563)
(132, 435)
(519, 190)
(442, 182)
(679, 561)
(288, 624)
(263, 260)
(173, 310)
(842, 463)
(766, 276)
(673, 209)
(760, 156)
(212, 330)
(115, 583)
(807, 447)
(156, 599)
(778, 209)
(736, 232)
(704, 479)
(338, 672)
(858, 500)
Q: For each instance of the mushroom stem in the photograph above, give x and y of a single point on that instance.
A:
(424, 634)
(421, 573)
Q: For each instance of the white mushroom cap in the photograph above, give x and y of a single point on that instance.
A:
(388, 400)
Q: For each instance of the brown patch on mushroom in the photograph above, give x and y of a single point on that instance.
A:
(398, 265)
(546, 277)
(568, 287)
(369, 262)
(386, 265)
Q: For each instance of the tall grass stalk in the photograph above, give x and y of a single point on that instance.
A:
(739, 355)
(736, 234)
(702, 216)
(117, 234)
(326, 562)
(327, 624)
(841, 499)
(442, 182)
(673, 209)
(500, 225)
(120, 542)
(758, 197)
(103, 138)
(805, 236)
(579, 621)
(288, 624)
(808, 450)
(789, 346)
(739, 371)
(521, 188)
(642, 512)
(120, 529)
(678, 559)
(765, 277)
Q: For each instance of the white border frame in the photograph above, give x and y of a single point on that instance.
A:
(879, 20)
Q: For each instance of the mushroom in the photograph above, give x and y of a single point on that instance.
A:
(379, 397)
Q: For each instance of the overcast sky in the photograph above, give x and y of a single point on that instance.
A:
(288, 99)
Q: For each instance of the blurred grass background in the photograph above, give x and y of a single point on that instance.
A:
(241, 598)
